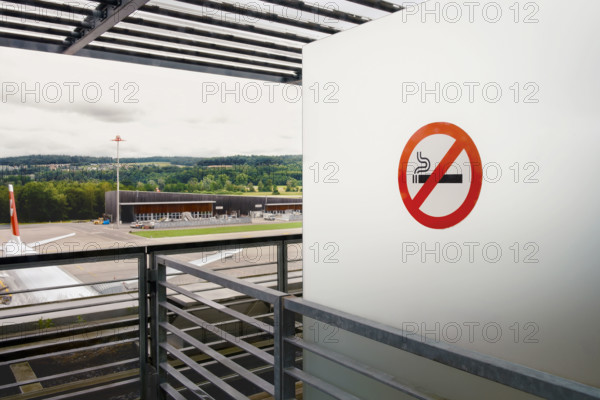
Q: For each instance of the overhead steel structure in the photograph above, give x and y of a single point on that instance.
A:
(260, 39)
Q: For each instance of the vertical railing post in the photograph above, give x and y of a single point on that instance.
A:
(282, 266)
(143, 321)
(285, 385)
(158, 295)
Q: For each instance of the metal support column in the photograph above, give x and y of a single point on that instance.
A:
(158, 294)
(285, 385)
(143, 321)
(282, 267)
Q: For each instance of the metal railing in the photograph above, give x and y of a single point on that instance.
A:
(56, 340)
(234, 338)
(287, 342)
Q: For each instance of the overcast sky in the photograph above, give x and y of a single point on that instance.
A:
(56, 104)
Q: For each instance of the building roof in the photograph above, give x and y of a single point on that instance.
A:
(257, 40)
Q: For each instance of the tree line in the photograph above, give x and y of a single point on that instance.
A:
(55, 201)
(75, 191)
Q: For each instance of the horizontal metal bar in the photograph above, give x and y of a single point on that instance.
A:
(30, 351)
(68, 351)
(215, 380)
(379, 5)
(21, 339)
(274, 263)
(188, 17)
(221, 342)
(223, 244)
(229, 322)
(332, 13)
(36, 29)
(172, 28)
(34, 17)
(42, 289)
(109, 2)
(320, 384)
(78, 307)
(194, 53)
(239, 285)
(235, 367)
(357, 366)
(234, 340)
(213, 304)
(70, 373)
(258, 370)
(129, 252)
(224, 323)
(72, 257)
(12, 40)
(255, 282)
(83, 393)
(226, 303)
(510, 374)
(22, 41)
(207, 45)
(240, 9)
(69, 8)
(172, 392)
(189, 385)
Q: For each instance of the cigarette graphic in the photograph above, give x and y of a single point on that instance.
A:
(420, 177)
(448, 178)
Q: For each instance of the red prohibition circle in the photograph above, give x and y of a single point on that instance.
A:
(462, 142)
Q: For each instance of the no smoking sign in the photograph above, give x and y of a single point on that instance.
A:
(440, 175)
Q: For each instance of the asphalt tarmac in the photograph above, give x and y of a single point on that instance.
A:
(251, 262)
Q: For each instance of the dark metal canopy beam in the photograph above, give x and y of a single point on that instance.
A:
(95, 51)
(241, 9)
(38, 17)
(225, 24)
(334, 14)
(193, 53)
(26, 42)
(19, 41)
(110, 15)
(379, 5)
(63, 8)
(202, 38)
(211, 34)
(211, 46)
(35, 28)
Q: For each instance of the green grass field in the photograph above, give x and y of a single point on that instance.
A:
(213, 230)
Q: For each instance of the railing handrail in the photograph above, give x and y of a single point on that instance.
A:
(79, 256)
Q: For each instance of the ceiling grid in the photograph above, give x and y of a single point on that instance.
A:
(250, 39)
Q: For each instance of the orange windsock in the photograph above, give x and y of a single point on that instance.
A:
(13, 212)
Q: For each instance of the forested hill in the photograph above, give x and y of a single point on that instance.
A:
(55, 188)
(252, 160)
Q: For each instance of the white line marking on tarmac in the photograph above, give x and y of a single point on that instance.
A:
(23, 372)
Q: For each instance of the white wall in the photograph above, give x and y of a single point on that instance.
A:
(548, 311)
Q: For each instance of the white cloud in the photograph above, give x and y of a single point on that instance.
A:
(55, 104)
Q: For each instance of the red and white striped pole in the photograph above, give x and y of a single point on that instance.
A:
(118, 139)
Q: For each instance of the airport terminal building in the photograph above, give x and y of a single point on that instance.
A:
(148, 206)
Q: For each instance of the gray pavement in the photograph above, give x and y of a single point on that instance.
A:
(255, 262)
(90, 237)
